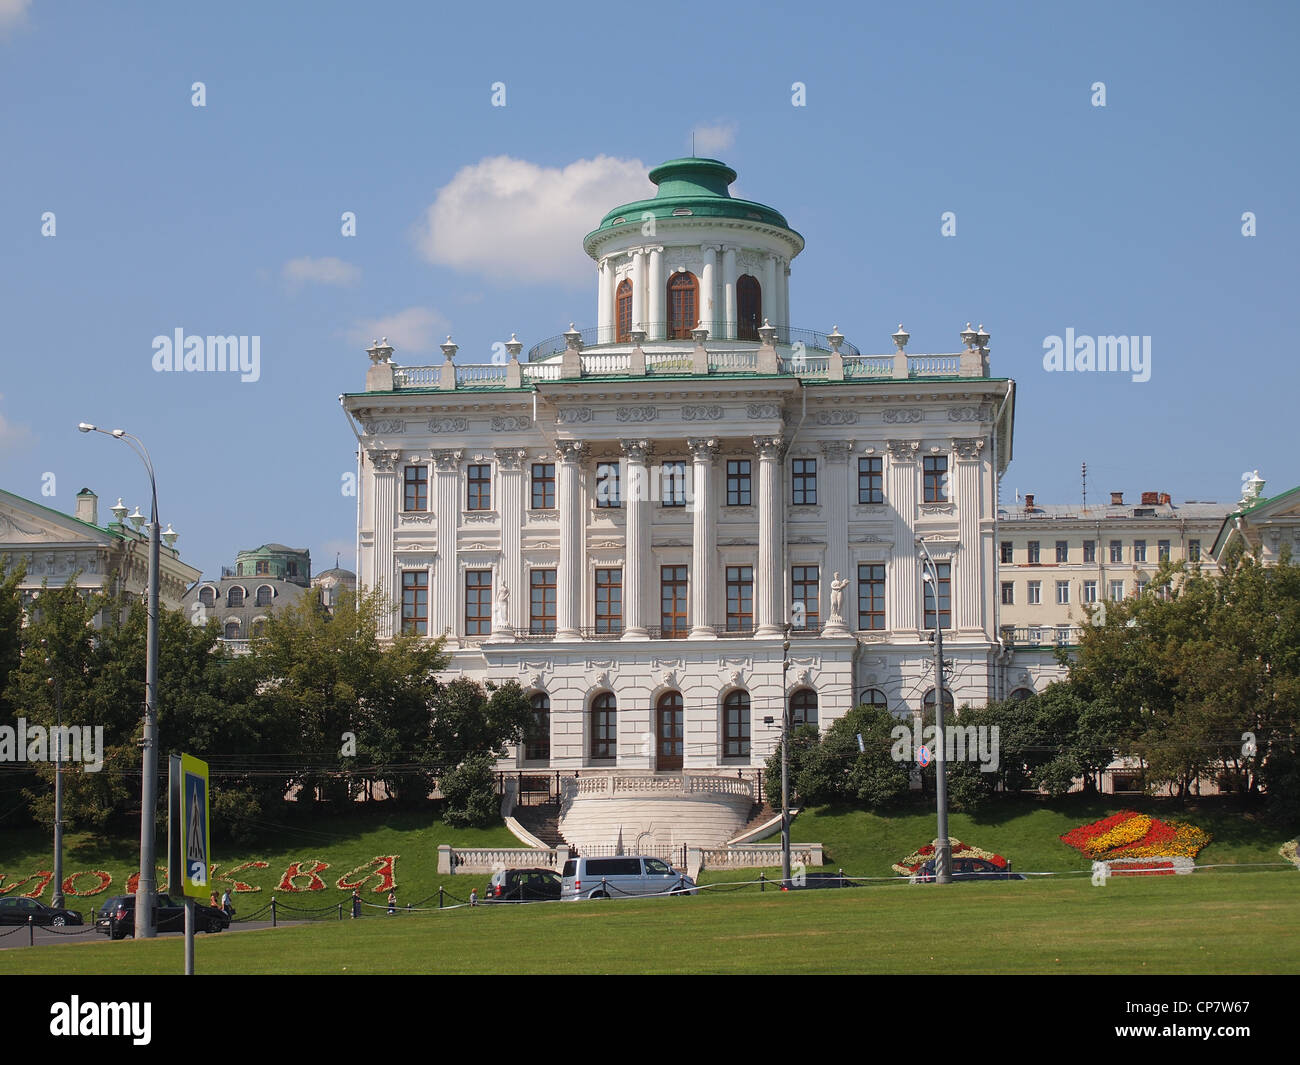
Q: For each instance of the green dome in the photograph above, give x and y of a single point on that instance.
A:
(692, 188)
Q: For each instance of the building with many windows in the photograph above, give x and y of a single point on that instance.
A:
(262, 579)
(626, 519)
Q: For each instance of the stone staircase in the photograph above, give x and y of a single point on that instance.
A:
(542, 820)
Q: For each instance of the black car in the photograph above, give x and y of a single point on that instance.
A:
(20, 910)
(967, 869)
(807, 881)
(117, 916)
(523, 885)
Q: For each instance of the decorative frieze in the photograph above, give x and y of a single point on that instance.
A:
(763, 410)
(702, 414)
(835, 417)
(636, 414)
(511, 423)
(981, 413)
(385, 427)
(448, 425)
(573, 415)
(903, 416)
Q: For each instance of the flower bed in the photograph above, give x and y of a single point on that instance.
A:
(1149, 866)
(919, 857)
(1288, 851)
(1128, 834)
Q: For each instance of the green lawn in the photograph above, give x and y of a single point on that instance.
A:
(1248, 923)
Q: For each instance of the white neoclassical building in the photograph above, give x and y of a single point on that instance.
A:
(626, 519)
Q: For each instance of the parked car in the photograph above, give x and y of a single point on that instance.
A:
(967, 869)
(820, 880)
(117, 916)
(634, 874)
(523, 885)
(21, 910)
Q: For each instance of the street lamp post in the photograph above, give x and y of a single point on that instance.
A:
(785, 764)
(146, 888)
(943, 849)
(54, 682)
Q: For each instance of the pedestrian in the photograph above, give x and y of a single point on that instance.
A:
(213, 898)
(473, 896)
(227, 905)
(392, 903)
(356, 904)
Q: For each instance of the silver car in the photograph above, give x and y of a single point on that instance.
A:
(625, 875)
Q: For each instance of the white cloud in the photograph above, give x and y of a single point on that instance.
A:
(13, 13)
(411, 331)
(712, 139)
(12, 435)
(326, 271)
(509, 219)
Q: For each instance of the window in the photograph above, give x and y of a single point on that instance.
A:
(1089, 591)
(264, 594)
(805, 482)
(293, 569)
(944, 570)
(735, 725)
(609, 600)
(1062, 593)
(740, 598)
(1116, 551)
(738, 483)
(537, 740)
(1142, 583)
(672, 483)
(623, 312)
(928, 701)
(1116, 591)
(871, 484)
(749, 307)
(1090, 550)
(1033, 552)
(1139, 550)
(208, 596)
(415, 486)
(804, 582)
(670, 713)
(543, 486)
(1008, 593)
(415, 602)
(235, 596)
(874, 697)
(1020, 695)
(607, 488)
(1034, 596)
(262, 569)
(232, 630)
(478, 602)
(803, 708)
(1162, 550)
(1194, 550)
(480, 487)
(604, 727)
(1006, 552)
(682, 304)
(871, 596)
(672, 611)
(1062, 551)
(935, 474)
(541, 619)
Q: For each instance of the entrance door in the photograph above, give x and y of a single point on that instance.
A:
(668, 732)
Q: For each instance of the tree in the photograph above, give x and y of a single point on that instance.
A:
(829, 767)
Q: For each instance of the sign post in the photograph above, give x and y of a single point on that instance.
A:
(190, 845)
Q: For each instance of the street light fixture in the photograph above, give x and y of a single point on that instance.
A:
(943, 848)
(146, 888)
(785, 763)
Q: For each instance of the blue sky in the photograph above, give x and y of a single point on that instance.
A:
(225, 219)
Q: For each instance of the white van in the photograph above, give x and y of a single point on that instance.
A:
(606, 878)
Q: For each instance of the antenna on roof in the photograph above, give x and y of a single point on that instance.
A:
(692, 144)
(1085, 484)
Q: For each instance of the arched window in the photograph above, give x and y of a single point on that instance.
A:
(803, 708)
(749, 307)
(264, 594)
(874, 697)
(258, 627)
(683, 305)
(537, 741)
(735, 725)
(947, 700)
(669, 731)
(623, 312)
(1020, 694)
(208, 595)
(232, 630)
(235, 596)
(604, 727)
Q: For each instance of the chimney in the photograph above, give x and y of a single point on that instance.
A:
(1150, 499)
(87, 507)
(1165, 499)
(1117, 499)
(1029, 500)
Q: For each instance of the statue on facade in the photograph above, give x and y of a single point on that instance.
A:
(837, 594)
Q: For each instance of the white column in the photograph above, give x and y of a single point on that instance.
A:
(964, 492)
(785, 297)
(704, 538)
(836, 483)
(770, 592)
(637, 544)
(729, 292)
(902, 584)
(568, 592)
(779, 318)
(384, 517)
(655, 295)
(443, 615)
(510, 503)
(708, 294)
(639, 307)
(604, 301)
(768, 309)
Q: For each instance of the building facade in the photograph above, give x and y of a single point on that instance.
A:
(627, 519)
(262, 579)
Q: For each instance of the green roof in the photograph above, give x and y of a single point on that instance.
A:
(693, 188)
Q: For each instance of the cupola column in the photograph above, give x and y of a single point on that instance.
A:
(604, 301)
(568, 592)
(770, 302)
(655, 294)
(708, 289)
(638, 289)
(729, 291)
(704, 538)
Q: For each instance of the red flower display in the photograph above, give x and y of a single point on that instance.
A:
(384, 873)
(306, 868)
(70, 883)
